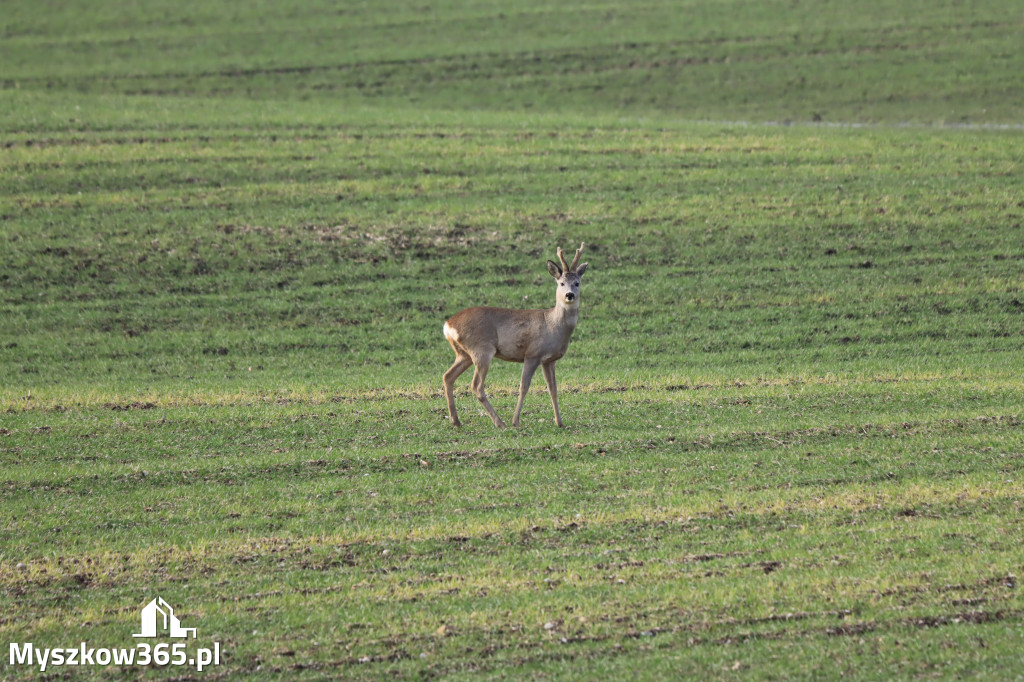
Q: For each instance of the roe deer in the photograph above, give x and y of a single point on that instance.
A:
(532, 337)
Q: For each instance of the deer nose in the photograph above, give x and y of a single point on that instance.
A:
(570, 297)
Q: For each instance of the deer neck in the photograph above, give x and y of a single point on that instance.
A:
(564, 316)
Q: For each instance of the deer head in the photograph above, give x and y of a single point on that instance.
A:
(568, 278)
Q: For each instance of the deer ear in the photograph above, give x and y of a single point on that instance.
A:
(555, 271)
(581, 268)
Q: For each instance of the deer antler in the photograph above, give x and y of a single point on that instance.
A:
(565, 267)
(576, 260)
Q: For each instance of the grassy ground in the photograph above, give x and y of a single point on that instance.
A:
(876, 60)
(793, 446)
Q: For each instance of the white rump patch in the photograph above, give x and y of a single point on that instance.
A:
(450, 333)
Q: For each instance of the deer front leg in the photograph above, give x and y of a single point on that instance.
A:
(479, 375)
(529, 367)
(549, 377)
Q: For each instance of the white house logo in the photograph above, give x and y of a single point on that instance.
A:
(151, 620)
(157, 620)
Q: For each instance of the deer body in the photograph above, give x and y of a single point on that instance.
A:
(536, 338)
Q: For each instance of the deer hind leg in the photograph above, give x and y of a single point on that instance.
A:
(462, 363)
(529, 367)
(483, 363)
(549, 377)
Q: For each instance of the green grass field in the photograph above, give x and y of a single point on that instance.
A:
(792, 445)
